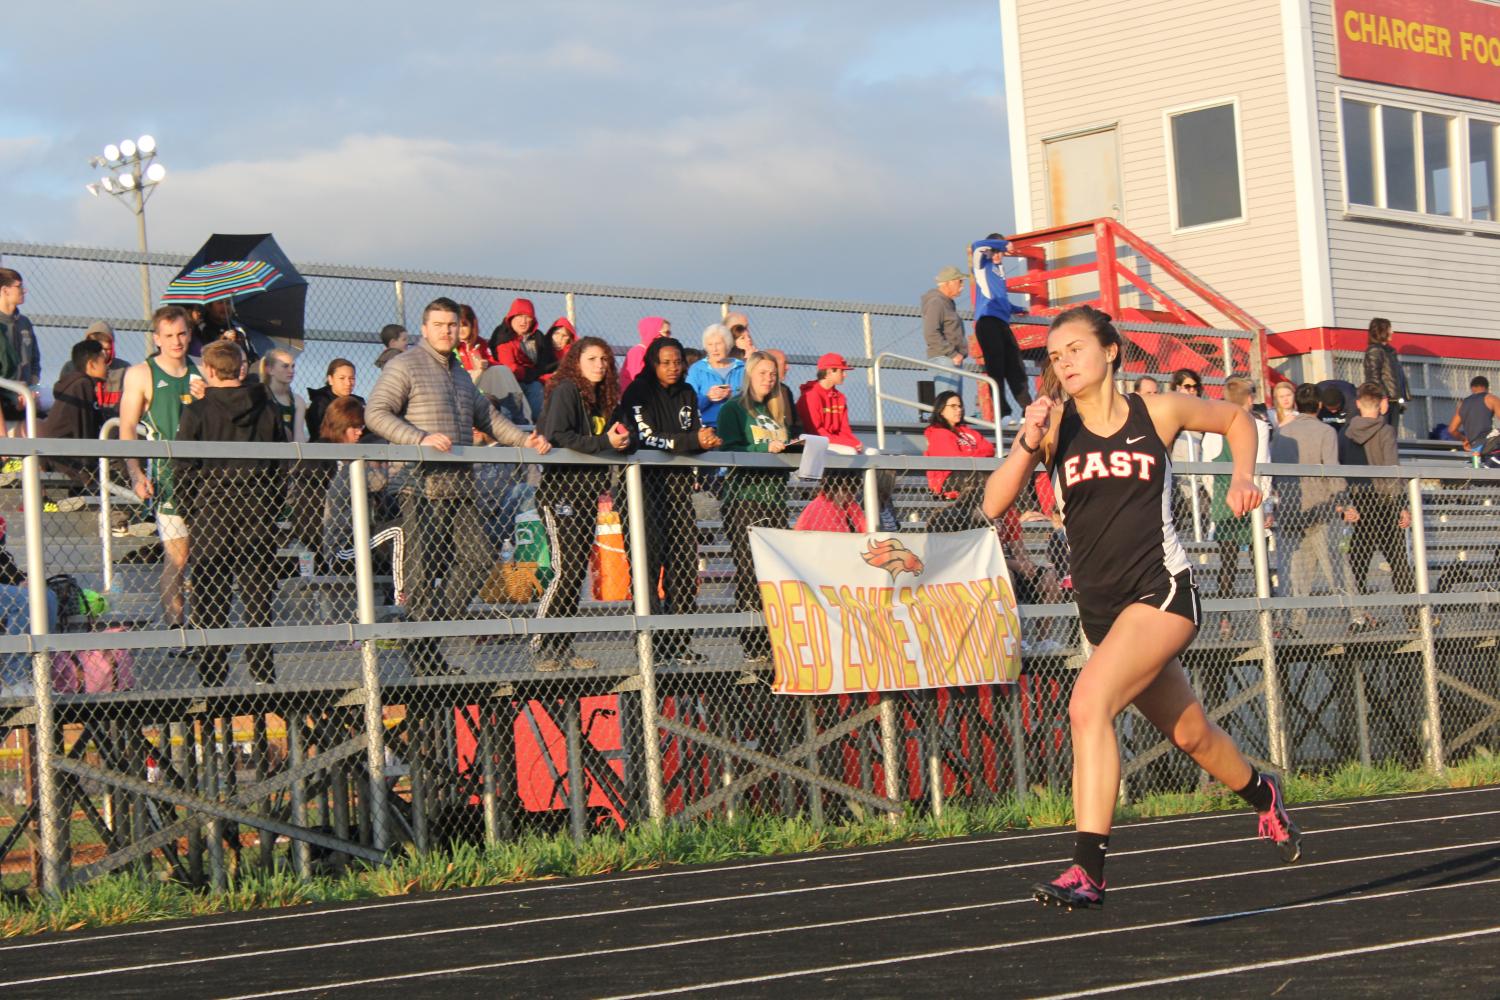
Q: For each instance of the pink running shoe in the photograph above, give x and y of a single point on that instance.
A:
(1072, 889)
(1277, 826)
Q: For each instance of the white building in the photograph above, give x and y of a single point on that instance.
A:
(1318, 162)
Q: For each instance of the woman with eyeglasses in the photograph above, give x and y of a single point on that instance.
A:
(1188, 447)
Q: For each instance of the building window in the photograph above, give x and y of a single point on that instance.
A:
(1359, 151)
(1405, 159)
(1484, 191)
(1206, 166)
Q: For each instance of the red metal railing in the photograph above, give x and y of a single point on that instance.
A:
(1205, 354)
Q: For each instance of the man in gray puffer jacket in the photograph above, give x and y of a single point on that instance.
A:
(425, 397)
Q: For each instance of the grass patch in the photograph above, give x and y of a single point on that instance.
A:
(130, 897)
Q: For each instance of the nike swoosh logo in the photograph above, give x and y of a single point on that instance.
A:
(1135, 439)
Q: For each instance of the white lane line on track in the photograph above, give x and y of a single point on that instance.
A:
(1102, 932)
(606, 883)
(408, 936)
(1279, 963)
(768, 932)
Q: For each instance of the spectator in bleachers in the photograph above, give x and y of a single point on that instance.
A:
(992, 313)
(822, 408)
(578, 414)
(563, 335)
(949, 435)
(660, 411)
(425, 398)
(338, 382)
(154, 393)
(1231, 532)
(835, 507)
(942, 330)
(113, 382)
(1378, 505)
(1187, 447)
(393, 338)
(718, 376)
(1146, 385)
(757, 420)
(17, 330)
(744, 344)
(231, 506)
(779, 356)
(1283, 404)
(1473, 420)
(1383, 367)
(277, 369)
(648, 328)
(473, 353)
(1309, 508)
(76, 414)
(520, 345)
(344, 423)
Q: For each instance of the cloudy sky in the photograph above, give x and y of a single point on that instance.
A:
(838, 149)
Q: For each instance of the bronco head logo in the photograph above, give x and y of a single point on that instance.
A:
(893, 557)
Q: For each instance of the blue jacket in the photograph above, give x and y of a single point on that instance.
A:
(990, 297)
(704, 376)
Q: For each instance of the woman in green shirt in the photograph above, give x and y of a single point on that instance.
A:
(758, 419)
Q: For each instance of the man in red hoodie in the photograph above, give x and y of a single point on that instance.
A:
(823, 409)
(519, 345)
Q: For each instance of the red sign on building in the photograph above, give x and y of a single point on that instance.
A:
(1446, 46)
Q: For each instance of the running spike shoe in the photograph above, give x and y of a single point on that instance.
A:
(1072, 889)
(1277, 826)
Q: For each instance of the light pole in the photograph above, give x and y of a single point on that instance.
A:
(131, 175)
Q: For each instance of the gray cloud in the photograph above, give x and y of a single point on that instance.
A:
(749, 147)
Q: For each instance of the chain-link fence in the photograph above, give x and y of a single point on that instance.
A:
(68, 288)
(300, 655)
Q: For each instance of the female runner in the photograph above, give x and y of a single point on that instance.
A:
(1108, 456)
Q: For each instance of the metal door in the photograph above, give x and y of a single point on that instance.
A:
(1083, 183)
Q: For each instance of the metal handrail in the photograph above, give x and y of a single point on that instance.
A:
(922, 363)
(28, 397)
(106, 532)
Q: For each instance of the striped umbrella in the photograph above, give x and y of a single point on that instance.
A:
(222, 279)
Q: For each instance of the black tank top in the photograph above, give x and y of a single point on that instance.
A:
(1115, 497)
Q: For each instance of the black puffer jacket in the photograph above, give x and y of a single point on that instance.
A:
(234, 497)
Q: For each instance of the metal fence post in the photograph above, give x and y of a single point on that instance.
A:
(1276, 743)
(364, 588)
(400, 287)
(641, 586)
(568, 308)
(48, 821)
(869, 347)
(889, 752)
(1434, 715)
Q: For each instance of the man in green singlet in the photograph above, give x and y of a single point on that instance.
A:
(154, 394)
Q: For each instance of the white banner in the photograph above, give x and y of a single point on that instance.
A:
(850, 614)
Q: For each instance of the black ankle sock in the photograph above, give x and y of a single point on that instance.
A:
(1257, 793)
(1088, 853)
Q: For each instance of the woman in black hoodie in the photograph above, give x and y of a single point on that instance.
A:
(660, 411)
(581, 399)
